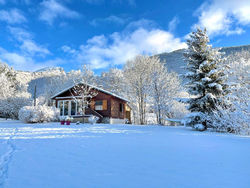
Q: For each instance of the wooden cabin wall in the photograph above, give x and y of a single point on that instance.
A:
(106, 99)
(115, 108)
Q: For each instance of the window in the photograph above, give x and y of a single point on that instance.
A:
(66, 108)
(73, 108)
(121, 107)
(60, 106)
(98, 105)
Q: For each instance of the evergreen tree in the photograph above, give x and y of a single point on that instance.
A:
(206, 80)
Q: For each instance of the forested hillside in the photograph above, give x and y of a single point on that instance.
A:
(175, 60)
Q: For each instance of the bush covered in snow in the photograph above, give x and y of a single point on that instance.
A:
(93, 119)
(38, 114)
(9, 107)
(233, 121)
(237, 118)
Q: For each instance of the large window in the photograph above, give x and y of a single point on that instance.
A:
(69, 108)
(73, 107)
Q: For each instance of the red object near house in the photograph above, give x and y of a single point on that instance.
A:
(68, 122)
(62, 122)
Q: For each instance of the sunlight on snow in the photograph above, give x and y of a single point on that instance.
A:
(50, 133)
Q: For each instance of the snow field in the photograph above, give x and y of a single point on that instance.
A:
(51, 155)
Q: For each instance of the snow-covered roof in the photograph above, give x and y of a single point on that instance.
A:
(94, 87)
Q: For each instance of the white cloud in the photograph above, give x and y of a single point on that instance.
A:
(142, 23)
(52, 9)
(13, 16)
(15, 1)
(25, 62)
(67, 49)
(19, 33)
(33, 48)
(173, 24)
(117, 48)
(18, 61)
(15, 60)
(110, 19)
(28, 53)
(130, 2)
(28, 45)
(224, 17)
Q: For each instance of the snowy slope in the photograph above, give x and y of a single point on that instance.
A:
(50, 155)
(175, 60)
(50, 69)
(39, 78)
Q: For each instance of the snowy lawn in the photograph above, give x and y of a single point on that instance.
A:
(51, 156)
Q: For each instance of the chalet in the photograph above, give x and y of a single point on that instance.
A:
(107, 106)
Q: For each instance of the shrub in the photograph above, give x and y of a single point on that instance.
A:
(9, 107)
(93, 119)
(38, 114)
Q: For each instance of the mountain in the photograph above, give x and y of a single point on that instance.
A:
(174, 61)
(47, 69)
(41, 78)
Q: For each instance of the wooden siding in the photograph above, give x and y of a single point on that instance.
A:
(111, 104)
(104, 104)
(106, 112)
(115, 109)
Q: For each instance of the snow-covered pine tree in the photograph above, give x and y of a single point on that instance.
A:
(206, 80)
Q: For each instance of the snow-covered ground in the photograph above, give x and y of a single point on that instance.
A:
(51, 156)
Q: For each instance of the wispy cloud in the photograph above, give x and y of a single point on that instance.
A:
(224, 17)
(19, 33)
(52, 9)
(28, 45)
(25, 62)
(102, 51)
(32, 48)
(26, 56)
(130, 2)
(16, 60)
(94, 1)
(173, 24)
(13, 16)
(15, 1)
(110, 20)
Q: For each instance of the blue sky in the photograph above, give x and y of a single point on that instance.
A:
(106, 33)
